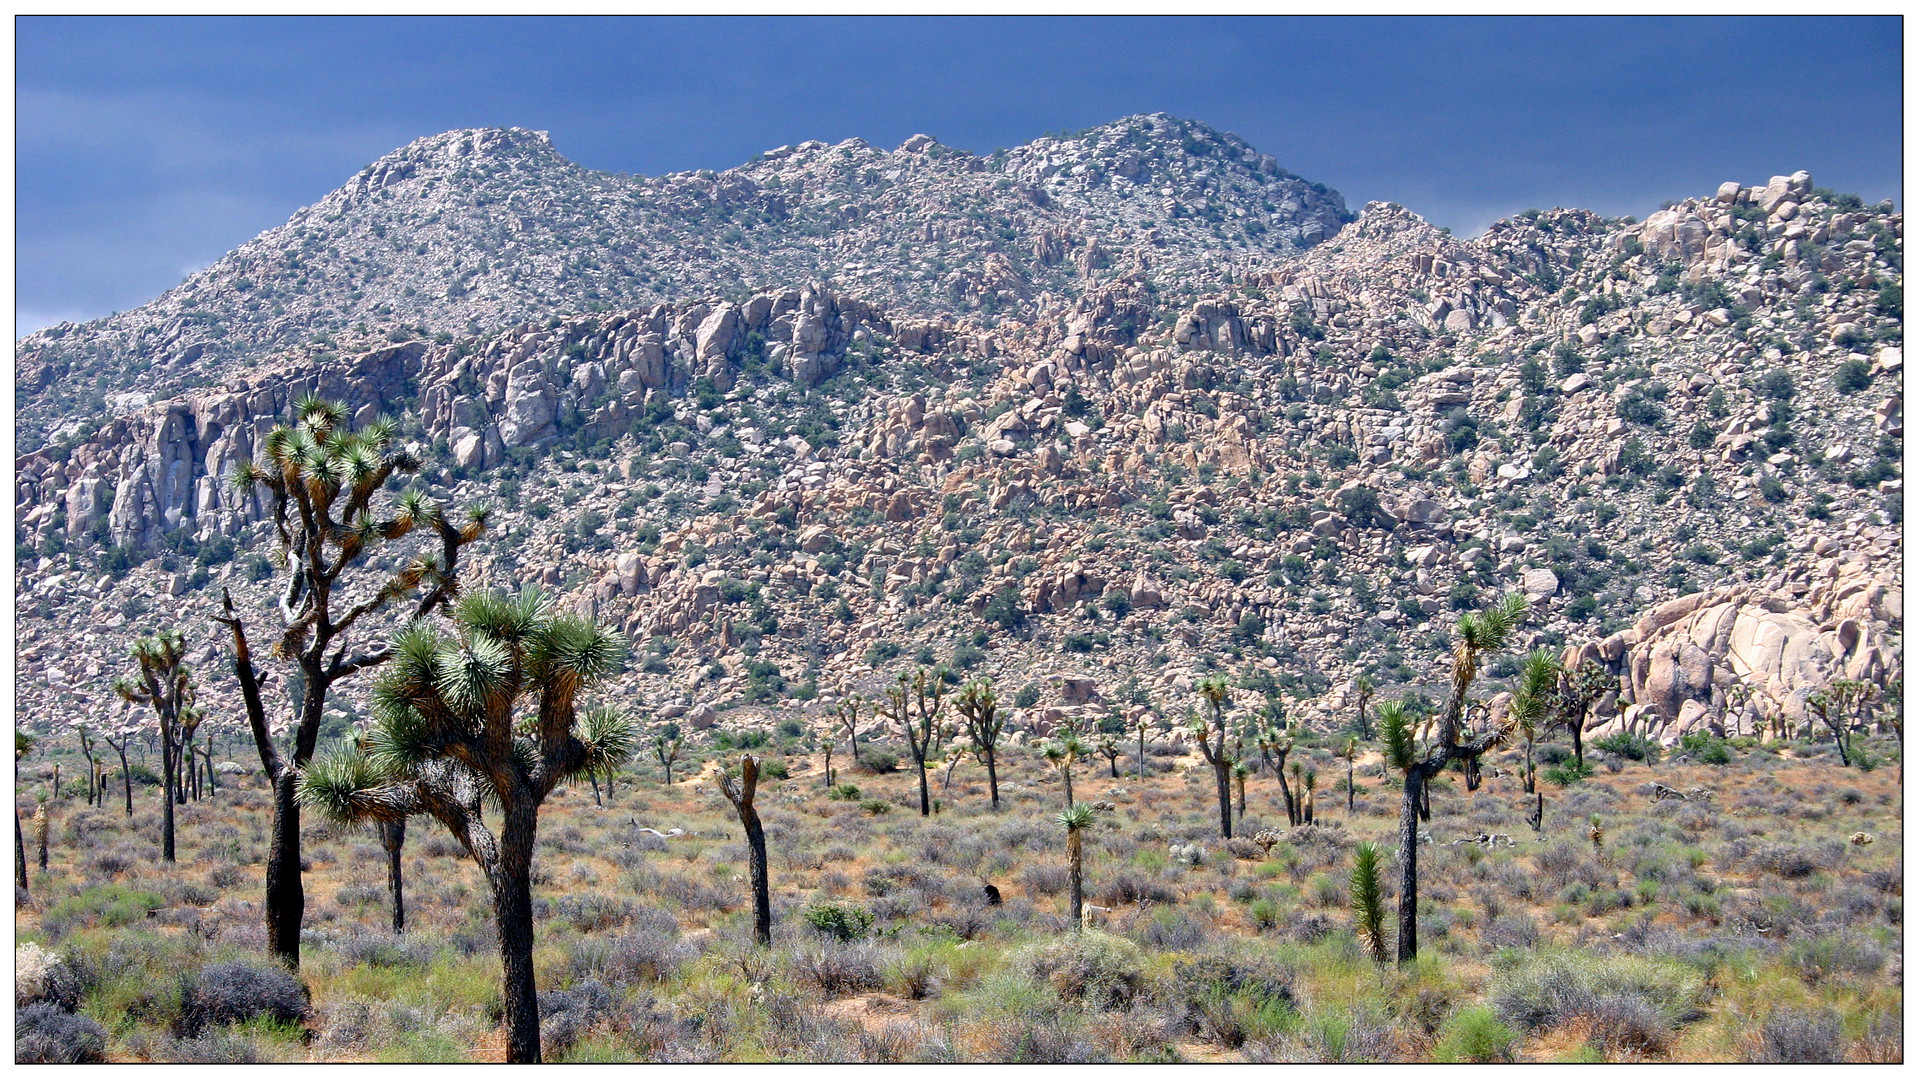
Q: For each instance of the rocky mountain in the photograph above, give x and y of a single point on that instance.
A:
(471, 231)
(1681, 438)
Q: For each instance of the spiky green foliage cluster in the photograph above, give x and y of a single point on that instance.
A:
(1369, 902)
(1079, 816)
(447, 698)
(1396, 731)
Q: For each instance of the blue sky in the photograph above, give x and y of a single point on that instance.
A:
(148, 148)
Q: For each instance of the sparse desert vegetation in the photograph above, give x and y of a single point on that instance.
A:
(1760, 924)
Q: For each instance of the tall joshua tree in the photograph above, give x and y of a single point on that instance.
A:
(1274, 746)
(165, 685)
(1581, 689)
(449, 736)
(1363, 690)
(1838, 705)
(22, 746)
(1212, 745)
(1534, 704)
(667, 746)
(979, 711)
(1076, 818)
(915, 706)
(740, 793)
(320, 481)
(1477, 635)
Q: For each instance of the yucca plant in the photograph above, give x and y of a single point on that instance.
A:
(1062, 752)
(667, 747)
(486, 714)
(1240, 772)
(165, 685)
(979, 712)
(320, 483)
(1351, 754)
(1076, 818)
(1477, 635)
(1363, 690)
(1369, 902)
(1211, 736)
(1274, 746)
(1534, 705)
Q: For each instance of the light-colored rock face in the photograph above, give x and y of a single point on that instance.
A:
(800, 476)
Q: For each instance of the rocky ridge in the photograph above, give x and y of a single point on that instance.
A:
(1679, 437)
(471, 231)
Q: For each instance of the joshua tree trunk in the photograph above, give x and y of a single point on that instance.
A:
(827, 781)
(1142, 756)
(42, 821)
(1073, 868)
(1223, 781)
(126, 773)
(741, 794)
(510, 878)
(1409, 864)
(1349, 787)
(1286, 792)
(1528, 774)
(393, 838)
(19, 854)
(169, 780)
(1239, 794)
(1578, 728)
(286, 900)
(595, 781)
(992, 778)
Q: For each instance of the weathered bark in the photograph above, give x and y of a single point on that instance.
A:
(1349, 787)
(992, 778)
(168, 781)
(393, 838)
(1413, 793)
(19, 854)
(762, 890)
(42, 827)
(1286, 790)
(513, 915)
(1073, 867)
(286, 896)
(1223, 781)
(126, 772)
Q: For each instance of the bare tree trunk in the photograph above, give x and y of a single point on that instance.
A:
(167, 781)
(1286, 793)
(19, 854)
(1223, 782)
(762, 891)
(513, 915)
(126, 776)
(992, 778)
(1409, 864)
(1073, 867)
(1349, 787)
(393, 838)
(42, 822)
(595, 781)
(286, 896)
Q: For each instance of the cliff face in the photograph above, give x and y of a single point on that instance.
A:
(1679, 437)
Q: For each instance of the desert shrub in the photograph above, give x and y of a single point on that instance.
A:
(1232, 1002)
(40, 976)
(1511, 931)
(842, 922)
(1130, 887)
(216, 1046)
(1630, 744)
(566, 1015)
(1044, 879)
(1819, 959)
(233, 992)
(1474, 1035)
(839, 969)
(649, 952)
(379, 948)
(1099, 968)
(590, 912)
(112, 905)
(45, 1034)
(1627, 1002)
(1789, 860)
(1800, 1037)
(1169, 928)
(879, 761)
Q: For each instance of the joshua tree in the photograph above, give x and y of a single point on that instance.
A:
(319, 481)
(1274, 746)
(1478, 634)
(825, 732)
(1597, 834)
(979, 711)
(1580, 690)
(1139, 728)
(1212, 746)
(667, 746)
(42, 825)
(446, 740)
(1075, 818)
(1369, 904)
(740, 793)
(1363, 690)
(1311, 784)
(1108, 748)
(393, 840)
(1351, 754)
(1240, 772)
(1534, 704)
(915, 706)
(1838, 706)
(119, 740)
(1061, 753)
(849, 715)
(166, 686)
(94, 794)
